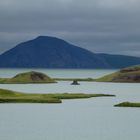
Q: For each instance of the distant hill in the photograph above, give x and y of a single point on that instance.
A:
(51, 52)
(120, 61)
(128, 75)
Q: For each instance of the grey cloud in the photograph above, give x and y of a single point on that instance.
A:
(108, 26)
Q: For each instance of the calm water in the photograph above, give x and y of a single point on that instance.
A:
(87, 119)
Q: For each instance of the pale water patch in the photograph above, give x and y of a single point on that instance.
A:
(82, 119)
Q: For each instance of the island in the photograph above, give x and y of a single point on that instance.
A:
(9, 96)
(27, 78)
(128, 104)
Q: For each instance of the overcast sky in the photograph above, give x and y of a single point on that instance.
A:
(107, 26)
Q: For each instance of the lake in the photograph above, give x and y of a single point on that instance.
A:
(78, 119)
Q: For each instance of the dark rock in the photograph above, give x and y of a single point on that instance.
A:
(75, 82)
(36, 76)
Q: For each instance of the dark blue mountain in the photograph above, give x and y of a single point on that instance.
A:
(120, 61)
(51, 52)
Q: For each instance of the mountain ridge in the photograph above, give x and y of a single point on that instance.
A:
(52, 52)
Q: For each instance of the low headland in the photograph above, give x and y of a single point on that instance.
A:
(128, 104)
(9, 96)
(126, 75)
(27, 78)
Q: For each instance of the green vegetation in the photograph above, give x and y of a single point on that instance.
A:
(127, 104)
(130, 75)
(28, 77)
(8, 96)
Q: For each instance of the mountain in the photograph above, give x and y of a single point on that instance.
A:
(129, 75)
(51, 52)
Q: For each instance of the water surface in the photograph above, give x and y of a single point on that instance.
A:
(82, 119)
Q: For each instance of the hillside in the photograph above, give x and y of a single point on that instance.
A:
(28, 77)
(130, 75)
(51, 52)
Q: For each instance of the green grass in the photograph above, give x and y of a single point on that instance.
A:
(26, 78)
(107, 78)
(127, 104)
(8, 96)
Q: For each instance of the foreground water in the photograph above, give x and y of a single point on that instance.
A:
(86, 119)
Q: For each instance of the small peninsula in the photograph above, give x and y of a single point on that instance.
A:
(27, 78)
(126, 75)
(9, 96)
(128, 104)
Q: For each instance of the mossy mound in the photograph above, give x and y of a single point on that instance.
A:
(130, 75)
(28, 77)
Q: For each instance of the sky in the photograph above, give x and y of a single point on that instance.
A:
(102, 26)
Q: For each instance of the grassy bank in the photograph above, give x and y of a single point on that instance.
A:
(127, 104)
(8, 96)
